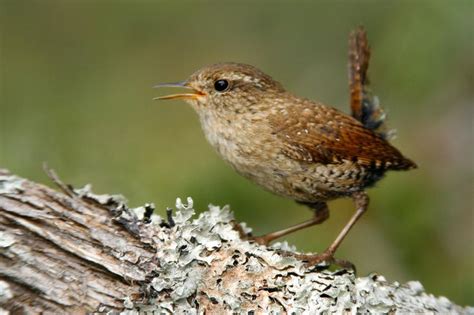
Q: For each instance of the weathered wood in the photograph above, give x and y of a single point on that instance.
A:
(76, 252)
(60, 253)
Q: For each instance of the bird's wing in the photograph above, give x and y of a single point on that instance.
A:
(320, 134)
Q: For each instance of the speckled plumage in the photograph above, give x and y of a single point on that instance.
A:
(292, 146)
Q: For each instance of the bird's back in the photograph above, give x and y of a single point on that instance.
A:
(337, 154)
(315, 133)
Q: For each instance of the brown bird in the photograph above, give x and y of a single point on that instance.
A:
(295, 147)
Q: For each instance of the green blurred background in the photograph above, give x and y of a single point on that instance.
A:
(76, 80)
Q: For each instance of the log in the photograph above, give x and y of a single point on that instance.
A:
(72, 251)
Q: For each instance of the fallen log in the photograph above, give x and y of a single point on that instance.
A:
(72, 251)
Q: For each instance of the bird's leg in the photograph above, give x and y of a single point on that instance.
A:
(361, 201)
(321, 213)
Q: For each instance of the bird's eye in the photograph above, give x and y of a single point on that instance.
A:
(221, 85)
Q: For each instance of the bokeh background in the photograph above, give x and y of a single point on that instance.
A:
(76, 80)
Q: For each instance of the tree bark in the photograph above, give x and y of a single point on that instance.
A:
(71, 251)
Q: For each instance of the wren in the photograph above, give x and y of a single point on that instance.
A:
(291, 146)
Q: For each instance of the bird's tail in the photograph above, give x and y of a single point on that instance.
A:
(365, 106)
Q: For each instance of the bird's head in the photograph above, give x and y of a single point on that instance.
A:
(226, 87)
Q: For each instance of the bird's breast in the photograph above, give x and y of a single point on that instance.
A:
(242, 141)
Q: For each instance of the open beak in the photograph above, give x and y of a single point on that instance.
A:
(183, 84)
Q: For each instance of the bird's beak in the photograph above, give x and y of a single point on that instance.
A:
(183, 84)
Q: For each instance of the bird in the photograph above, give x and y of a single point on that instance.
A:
(294, 147)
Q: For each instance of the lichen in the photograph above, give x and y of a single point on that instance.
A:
(203, 264)
(6, 239)
(10, 184)
(195, 264)
(104, 199)
(5, 292)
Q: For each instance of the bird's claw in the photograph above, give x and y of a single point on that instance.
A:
(261, 240)
(315, 259)
(326, 257)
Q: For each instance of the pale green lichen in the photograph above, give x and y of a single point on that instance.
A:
(86, 192)
(202, 264)
(6, 239)
(5, 292)
(205, 265)
(10, 184)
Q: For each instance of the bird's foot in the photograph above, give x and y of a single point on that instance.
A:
(237, 227)
(261, 240)
(326, 257)
(315, 259)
